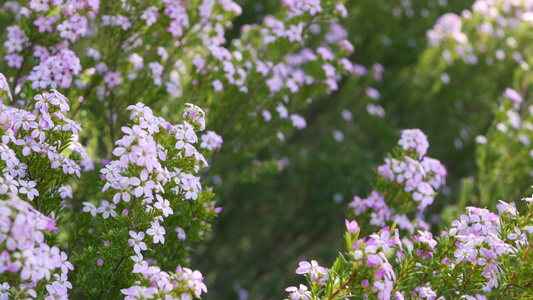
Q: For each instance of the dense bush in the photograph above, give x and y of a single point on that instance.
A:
(268, 116)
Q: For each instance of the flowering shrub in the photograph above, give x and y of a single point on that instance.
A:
(482, 254)
(151, 181)
(186, 57)
(481, 50)
(186, 53)
(105, 195)
(39, 156)
(406, 179)
(506, 143)
(152, 185)
(35, 268)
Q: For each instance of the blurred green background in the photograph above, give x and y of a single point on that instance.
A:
(274, 217)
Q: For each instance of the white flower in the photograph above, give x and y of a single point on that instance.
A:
(90, 208)
(107, 209)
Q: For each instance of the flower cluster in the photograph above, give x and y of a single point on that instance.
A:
(16, 40)
(152, 181)
(152, 178)
(36, 146)
(414, 139)
(483, 253)
(465, 36)
(54, 70)
(183, 284)
(427, 247)
(447, 26)
(411, 175)
(42, 269)
(37, 142)
(211, 141)
(370, 255)
(373, 254)
(57, 64)
(288, 75)
(140, 148)
(418, 176)
(202, 22)
(479, 242)
(376, 203)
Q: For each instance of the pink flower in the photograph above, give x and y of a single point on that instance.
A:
(514, 96)
(61, 283)
(16, 39)
(282, 110)
(315, 271)
(372, 93)
(43, 101)
(112, 79)
(140, 264)
(414, 139)
(266, 115)
(193, 280)
(136, 241)
(181, 233)
(217, 85)
(150, 15)
(464, 254)
(352, 226)
(90, 208)
(143, 185)
(325, 53)
(383, 239)
(123, 193)
(137, 60)
(298, 121)
(211, 141)
(28, 188)
(427, 238)
(426, 293)
(294, 34)
(164, 206)
(158, 232)
(107, 209)
(299, 293)
(5, 291)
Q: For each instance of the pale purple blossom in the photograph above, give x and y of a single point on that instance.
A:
(157, 232)
(107, 209)
(136, 241)
(300, 293)
(315, 271)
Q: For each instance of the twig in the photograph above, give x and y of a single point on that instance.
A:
(345, 286)
(111, 276)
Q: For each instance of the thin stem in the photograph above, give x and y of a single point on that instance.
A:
(88, 291)
(22, 65)
(111, 276)
(447, 250)
(469, 278)
(404, 274)
(512, 279)
(345, 286)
